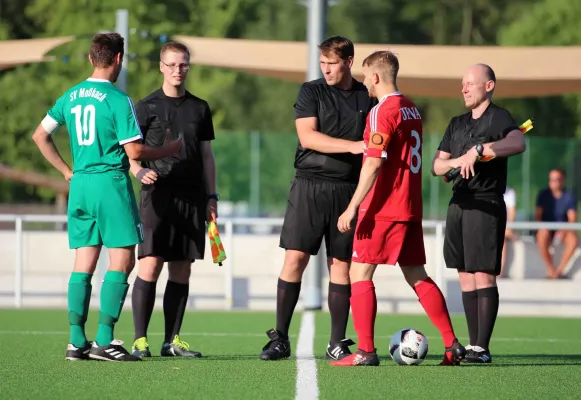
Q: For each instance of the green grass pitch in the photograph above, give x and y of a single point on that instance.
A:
(534, 358)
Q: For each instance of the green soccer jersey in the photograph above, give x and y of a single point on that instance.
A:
(100, 119)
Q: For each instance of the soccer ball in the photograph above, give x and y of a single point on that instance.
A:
(408, 347)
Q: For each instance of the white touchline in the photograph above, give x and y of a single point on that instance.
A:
(307, 387)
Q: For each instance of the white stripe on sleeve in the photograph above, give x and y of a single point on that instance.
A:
(134, 115)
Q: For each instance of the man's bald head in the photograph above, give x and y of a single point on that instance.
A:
(484, 71)
(478, 85)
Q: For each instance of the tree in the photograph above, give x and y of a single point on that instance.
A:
(29, 91)
(549, 23)
(242, 102)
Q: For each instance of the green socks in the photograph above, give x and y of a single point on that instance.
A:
(113, 292)
(79, 297)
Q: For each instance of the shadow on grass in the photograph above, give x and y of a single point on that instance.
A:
(500, 361)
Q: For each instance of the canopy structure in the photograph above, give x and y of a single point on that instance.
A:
(426, 71)
(26, 51)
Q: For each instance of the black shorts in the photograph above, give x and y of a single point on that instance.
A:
(475, 235)
(174, 227)
(313, 210)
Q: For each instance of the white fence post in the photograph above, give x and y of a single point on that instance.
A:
(229, 273)
(101, 270)
(19, 263)
(439, 258)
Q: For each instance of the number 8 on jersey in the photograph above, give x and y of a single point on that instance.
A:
(394, 133)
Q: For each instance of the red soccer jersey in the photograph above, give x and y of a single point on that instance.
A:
(394, 133)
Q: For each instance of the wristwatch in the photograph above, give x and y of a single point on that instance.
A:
(480, 149)
(214, 196)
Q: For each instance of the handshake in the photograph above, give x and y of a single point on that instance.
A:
(170, 145)
(169, 148)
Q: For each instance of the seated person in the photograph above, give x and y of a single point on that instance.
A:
(510, 201)
(556, 204)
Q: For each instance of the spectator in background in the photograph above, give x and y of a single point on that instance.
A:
(510, 201)
(556, 204)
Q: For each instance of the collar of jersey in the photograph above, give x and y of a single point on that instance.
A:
(97, 80)
(390, 94)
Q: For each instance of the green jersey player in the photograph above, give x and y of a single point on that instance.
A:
(104, 134)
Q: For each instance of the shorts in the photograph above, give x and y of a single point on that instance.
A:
(389, 242)
(174, 227)
(474, 235)
(313, 210)
(102, 210)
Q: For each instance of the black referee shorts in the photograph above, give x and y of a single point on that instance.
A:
(475, 235)
(174, 227)
(313, 210)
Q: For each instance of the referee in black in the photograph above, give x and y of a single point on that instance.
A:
(476, 218)
(178, 197)
(330, 119)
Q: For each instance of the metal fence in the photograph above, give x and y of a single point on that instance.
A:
(228, 228)
(256, 168)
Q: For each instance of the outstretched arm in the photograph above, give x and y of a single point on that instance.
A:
(307, 117)
(312, 139)
(514, 143)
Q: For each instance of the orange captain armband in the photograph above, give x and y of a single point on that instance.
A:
(377, 146)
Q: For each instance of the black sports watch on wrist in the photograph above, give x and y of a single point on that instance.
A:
(214, 196)
(480, 149)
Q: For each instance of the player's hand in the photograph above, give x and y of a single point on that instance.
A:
(466, 163)
(357, 147)
(212, 210)
(509, 234)
(173, 145)
(68, 175)
(344, 223)
(146, 176)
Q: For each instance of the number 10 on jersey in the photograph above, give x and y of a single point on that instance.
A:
(84, 124)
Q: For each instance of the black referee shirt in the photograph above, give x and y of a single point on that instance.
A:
(189, 116)
(463, 133)
(340, 114)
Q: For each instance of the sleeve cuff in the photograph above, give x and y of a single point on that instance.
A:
(376, 153)
(133, 139)
(305, 114)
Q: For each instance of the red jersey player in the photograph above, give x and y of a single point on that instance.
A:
(389, 200)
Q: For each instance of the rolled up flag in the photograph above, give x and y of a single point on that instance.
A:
(218, 253)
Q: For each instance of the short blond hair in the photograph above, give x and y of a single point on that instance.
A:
(384, 60)
(175, 47)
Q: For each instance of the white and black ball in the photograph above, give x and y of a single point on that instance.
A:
(408, 347)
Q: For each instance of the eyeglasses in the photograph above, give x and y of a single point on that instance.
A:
(173, 67)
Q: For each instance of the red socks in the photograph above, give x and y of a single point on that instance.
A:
(432, 299)
(364, 309)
